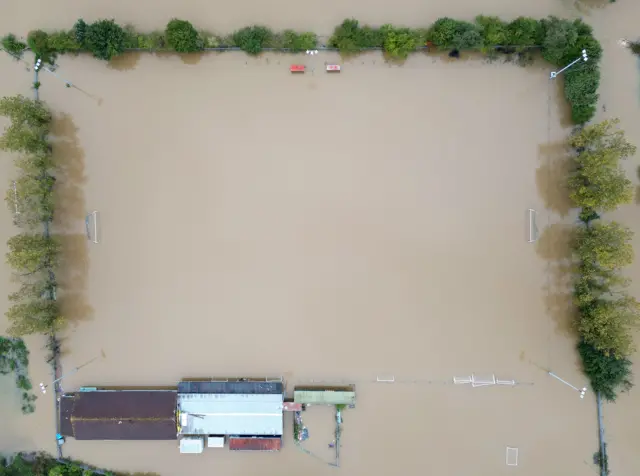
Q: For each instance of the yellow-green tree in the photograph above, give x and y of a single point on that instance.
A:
(598, 182)
(29, 253)
(606, 325)
(604, 246)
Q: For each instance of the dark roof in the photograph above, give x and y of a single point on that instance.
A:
(255, 444)
(124, 429)
(246, 387)
(124, 404)
(120, 415)
(66, 408)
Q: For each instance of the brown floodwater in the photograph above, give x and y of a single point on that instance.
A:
(326, 227)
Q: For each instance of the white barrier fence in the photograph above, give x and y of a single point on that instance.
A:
(486, 381)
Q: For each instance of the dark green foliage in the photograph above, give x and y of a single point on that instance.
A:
(182, 36)
(13, 45)
(560, 36)
(38, 41)
(608, 375)
(350, 38)
(80, 31)
(635, 47)
(525, 31)
(581, 84)
(252, 38)
(294, 41)
(105, 39)
(398, 42)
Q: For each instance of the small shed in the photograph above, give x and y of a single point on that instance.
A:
(191, 445)
(215, 442)
(324, 397)
(255, 444)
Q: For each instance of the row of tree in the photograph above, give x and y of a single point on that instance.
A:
(606, 312)
(33, 254)
(560, 41)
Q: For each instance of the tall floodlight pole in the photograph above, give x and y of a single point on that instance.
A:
(584, 57)
(43, 387)
(582, 391)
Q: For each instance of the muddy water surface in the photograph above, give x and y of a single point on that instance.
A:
(331, 228)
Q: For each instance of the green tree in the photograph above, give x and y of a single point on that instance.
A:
(13, 45)
(299, 41)
(29, 253)
(560, 36)
(524, 31)
(581, 84)
(63, 42)
(80, 32)
(398, 42)
(350, 38)
(38, 41)
(494, 31)
(252, 38)
(182, 36)
(605, 245)
(606, 325)
(105, 39)
(608, 375)
(443, 32)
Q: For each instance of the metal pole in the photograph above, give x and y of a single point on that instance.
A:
(584, 57)
(43, 387)
(582, 391)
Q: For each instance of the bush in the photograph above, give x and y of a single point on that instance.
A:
(38, 41)
(182, 36)
(448, 33)
(105, 39)
(350, 38)
(608, 375)
(398, 42)
(63, 42)
(299, 41)
(494, 31)
(13, 45)
(252, 38)
(580, 89)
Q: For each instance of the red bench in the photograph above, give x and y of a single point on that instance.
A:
(297, 68)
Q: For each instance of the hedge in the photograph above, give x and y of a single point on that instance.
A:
(559, 41)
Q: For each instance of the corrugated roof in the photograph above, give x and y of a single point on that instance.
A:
(231, 387)
(324, 397)
(66, 409)
(230, 414)
(255, 444)
(123, 404)
(124, 429)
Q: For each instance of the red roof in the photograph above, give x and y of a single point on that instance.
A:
(292, 407)
(255, 444)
